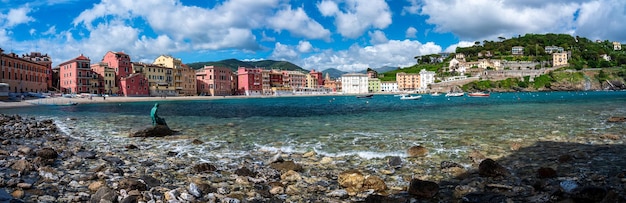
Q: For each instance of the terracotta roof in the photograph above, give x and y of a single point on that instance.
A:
(81, 57)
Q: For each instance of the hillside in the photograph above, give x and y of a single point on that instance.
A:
(333, 73)
(233, 64)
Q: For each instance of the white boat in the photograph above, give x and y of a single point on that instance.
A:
(436, 94)
(455, 94)
(401, 95)
(478, 94)
(411, 97)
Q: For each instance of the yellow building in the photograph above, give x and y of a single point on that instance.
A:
(373, 84)
(183, 77)
(311, 81)
(559, 59)
(157, 77)
(408, 81)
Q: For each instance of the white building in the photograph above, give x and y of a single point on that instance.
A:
(426, 78)
(354, 83)
(388, 86)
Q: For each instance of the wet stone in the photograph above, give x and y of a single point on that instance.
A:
(47, 153)
(86, 154)
(286, 166)
(491, 168)
(244, 171)
(203, 167)
(417, 151)
(479, 197)
(423, 189)
(449, 164)
(395, 162)
(546, 172)
(132, 184)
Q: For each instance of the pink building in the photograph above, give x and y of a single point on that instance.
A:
(135, 85)
(250, 81)
(319, 76)
(120, 62)
(74, 75)
(214, 81)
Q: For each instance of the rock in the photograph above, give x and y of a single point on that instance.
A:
(590, 194)
(25, 150)
(113, 160)
(292, 190)
(196, 142)
(449, 164)
(286, 166)
(352, 180)
(565, 158)
(130, 199)
(394, 162)
(194, 190)
(131, 146)
(132, 184)
(86, 154)
(47, 153)
(95, 186)
(290, 176)
(374, 183)
(479, 197)
(104, 194)
(277, 190)
(326, 160)
(309, 154)
(491, 168)
(338, 193)
(546, 172)
(244, 171)
(203, 167)
(150, 181)
(423, 189)
(417, 151)
(615, 119)
(153, 131)
(568, 186)
(24, 185)
(17, 194)
(22, 166)
(476, 156)
(610, 136)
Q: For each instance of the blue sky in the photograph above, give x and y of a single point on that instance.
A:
(350, 35)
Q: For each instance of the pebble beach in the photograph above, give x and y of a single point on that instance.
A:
(43, 164)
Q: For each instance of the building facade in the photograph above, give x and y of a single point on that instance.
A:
(75, 75)
(408, 81)
(135, 85)
(156, 76)
(559, 59)
(517, 50)
(318, 77)
(22, 75)
(250, 81)
(106, 79)
(45, 60)
(120, 63)
(426, 78)
(354, 83)
(183, 77)
(388, 86)
(373, 84)
(214, 81)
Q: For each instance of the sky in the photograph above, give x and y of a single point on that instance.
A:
(349, 35)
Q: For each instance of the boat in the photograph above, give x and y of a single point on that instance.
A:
(455, 94)
(478, 94)
(369, 96)
(71, 103)
(401, 95)
(411, 97)
(435, 94)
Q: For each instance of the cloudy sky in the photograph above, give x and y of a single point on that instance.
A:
(349, 35)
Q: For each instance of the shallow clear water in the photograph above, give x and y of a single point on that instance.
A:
(348, 126)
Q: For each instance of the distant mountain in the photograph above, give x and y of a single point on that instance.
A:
(234, 64)
(333, 73)
(385, 69)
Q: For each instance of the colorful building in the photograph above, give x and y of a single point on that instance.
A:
(106, 79)
(249, 81)
(559, 59)
(317, 77)
(23, 75)
(294, 79)
(408, 81)
(183, 77)
(75, 75)
(135, 85)
(157, 78)
(214, 81)
(120, 63)
(373, 84)
(43, 59)
(332, 85)
(354, 83)
(426, 78)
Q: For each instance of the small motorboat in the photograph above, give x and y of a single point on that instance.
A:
(411, 97)
(455, 94)
(435, 94)
(369, 96)
(478, 94)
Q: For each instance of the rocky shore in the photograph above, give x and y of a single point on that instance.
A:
(42, 164)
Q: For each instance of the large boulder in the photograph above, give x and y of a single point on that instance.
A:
(491, 168)
(616, 119)
(423, 189)
(153, 131)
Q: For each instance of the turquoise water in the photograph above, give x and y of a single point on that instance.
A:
(339, 126)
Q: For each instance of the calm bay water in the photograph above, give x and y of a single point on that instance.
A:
(346, 126)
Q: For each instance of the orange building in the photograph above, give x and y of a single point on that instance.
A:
(22, 75)
(43, 59)
(75, 75)
(214, 81)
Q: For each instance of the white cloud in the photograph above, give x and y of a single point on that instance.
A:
(377, 37)
(357, 16)
(452, 48)
(305, 47)
(411, 32)
(266, 38)
(284, 52)
(32, 31)
(298, 23)
(602, 19)
(51, 31)
(413, 8)
(393, 53)
(16, 16)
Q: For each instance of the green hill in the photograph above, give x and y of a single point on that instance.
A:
(234, 64)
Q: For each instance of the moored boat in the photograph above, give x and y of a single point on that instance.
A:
(435, 94)
(478, 94)
(369, 96)
(455, 94)
(411, 97)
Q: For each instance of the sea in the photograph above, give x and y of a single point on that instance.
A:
(346, 126)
